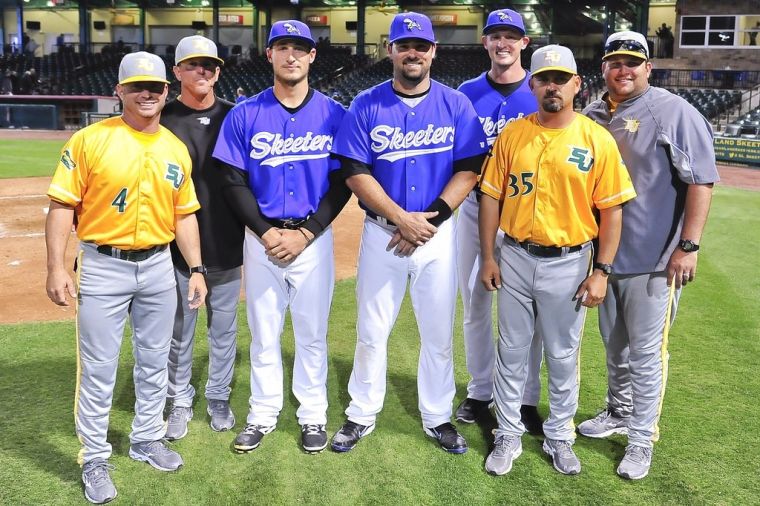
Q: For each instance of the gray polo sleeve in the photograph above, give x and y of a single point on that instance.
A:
(688, 138)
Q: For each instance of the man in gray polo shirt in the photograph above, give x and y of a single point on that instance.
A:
(667, 147)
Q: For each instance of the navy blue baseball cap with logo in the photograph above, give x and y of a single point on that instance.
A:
(504, 18)
(290, 29)
(411, 25)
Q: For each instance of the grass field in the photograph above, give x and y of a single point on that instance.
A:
(707, 455)
(24, 158)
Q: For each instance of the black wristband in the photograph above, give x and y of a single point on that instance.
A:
(444, 212)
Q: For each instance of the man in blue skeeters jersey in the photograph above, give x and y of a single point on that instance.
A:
(285, 187)
(411, 149)
(500, 96)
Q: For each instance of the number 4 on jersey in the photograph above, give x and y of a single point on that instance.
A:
(120, 202)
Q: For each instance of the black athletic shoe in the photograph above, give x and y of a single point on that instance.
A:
(471, 409)
(313, 437)
(250, 438)
(531, 420)
(448, 437)
(350, 434)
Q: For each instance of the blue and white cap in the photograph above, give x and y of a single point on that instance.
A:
(504, 18)
(411, 25)
(290, 29)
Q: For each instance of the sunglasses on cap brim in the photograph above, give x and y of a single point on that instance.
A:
(625, 45)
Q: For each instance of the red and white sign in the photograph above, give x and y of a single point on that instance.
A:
(230, 19)
(443, 19)
(316, 20)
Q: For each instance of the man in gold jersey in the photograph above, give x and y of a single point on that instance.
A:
(549, 175)
(127, 181)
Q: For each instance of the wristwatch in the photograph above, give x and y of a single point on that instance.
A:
(688, 245)
(200, 268)
(605, 268)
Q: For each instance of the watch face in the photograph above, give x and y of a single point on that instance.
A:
(688, 245)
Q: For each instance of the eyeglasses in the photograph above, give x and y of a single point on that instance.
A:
(149, 86)
(625, 45)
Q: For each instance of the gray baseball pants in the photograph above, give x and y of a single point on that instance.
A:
(109, 290)
(221, 326)
(536, 296)
(634, 321)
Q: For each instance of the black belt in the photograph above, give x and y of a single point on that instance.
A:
(544, 251)
(380, 219)
(289, 223)
(131, 255)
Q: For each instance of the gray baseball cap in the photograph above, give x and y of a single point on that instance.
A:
(553, 57)
(196, 46)
(141, 67)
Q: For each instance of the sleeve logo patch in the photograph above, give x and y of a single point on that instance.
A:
(581, 158)
(67, 161)
(174, 174)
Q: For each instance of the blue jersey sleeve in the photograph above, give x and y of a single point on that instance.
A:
(352, 139)
(469, 139)
(233, 141)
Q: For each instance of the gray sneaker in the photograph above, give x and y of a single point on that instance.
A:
(98, 487)
(157, 454)
(222, 417)
(176, 423)
(635, 464)
(506, 449)
(603, 425)
(563, 456)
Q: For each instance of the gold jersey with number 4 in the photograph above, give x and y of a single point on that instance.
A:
(550, 181)
(127, 186)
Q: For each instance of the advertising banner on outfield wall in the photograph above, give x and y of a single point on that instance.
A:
(739, 150)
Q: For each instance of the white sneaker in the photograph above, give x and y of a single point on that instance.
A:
(635, 464)
(506, 448)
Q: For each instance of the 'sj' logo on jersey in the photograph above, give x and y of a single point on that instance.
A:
(581, 158)
(174, 174)
(631, 124)
(67, 161)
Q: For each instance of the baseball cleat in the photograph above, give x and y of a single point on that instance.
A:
(471, 409)
(176, 423)
(313, 437)
(350, 434)
(448, 437)
(635, 464)
(531, 420)
(250, 438)
(222, 417)
(157, 454)
(563, 456)
(603, 425)
(506, 449)
(98, 487)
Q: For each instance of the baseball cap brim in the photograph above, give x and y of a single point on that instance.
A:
(557, 69)
(426, 39)
(142, 79)
(493, 28)
(636, 54)
(201, 55)
(294, 37)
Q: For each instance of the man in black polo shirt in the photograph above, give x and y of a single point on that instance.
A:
(196, 117)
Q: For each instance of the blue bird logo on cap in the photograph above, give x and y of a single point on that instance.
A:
(504, 16)
(410, 24)
(291, 29)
